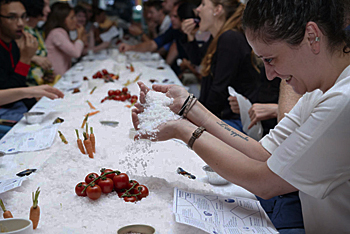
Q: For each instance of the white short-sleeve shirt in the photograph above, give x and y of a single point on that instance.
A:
(310, 149)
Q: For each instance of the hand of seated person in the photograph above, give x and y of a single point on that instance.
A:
(43, 90)
(28, 46)
(188, 26)
(262, 111)
(124, 47)
(42, 62)
(135, 30)
(234, 104)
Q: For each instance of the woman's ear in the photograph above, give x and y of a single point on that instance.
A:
(314, 37)
(218, 10)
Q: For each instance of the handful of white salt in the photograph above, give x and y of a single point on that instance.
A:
(156, 112)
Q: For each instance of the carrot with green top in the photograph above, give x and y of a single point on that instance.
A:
(7, 214)
(93, 90)
(132, 69)
(85, 119)
(92, 139)
(92, 113)
(91, 106)
(34, 214)
(88, 146)
(80, 143)
(64, 140)
(87, 131)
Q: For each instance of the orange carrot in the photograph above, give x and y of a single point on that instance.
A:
(91, 114)
(93, 90)
(88, 146)
(91, 106)
(34, 214)
(62, 137)
(80, 143)
(92, 139)
(7, 214)
(132, 69)
(84, 121)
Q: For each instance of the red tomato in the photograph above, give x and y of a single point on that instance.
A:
(118, 98)
(104, 71)
(115, 97)
(106, 185)
(143, 190)
(94, 192)
(128, 96)
(125, 90)
(134, 97)
(79, 188)
(110, 92)
(117, 92)
(130, 199)
(121, 192)
(131, 183)
(104, 170)
(121, 181)
(122, 97)
(99, 74)
(90, 177)
(94, 77)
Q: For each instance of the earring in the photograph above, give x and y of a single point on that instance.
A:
(317, 39)
(214, 14)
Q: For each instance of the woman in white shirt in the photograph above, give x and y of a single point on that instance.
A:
(304, 43)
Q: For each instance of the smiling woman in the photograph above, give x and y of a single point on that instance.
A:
(308, 151)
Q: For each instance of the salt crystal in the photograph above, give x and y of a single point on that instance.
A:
(156, 112)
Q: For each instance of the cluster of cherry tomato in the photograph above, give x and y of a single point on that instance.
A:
(120, 95)
(109, 181)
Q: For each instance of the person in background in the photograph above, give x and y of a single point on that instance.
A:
(15, 56)
(168, 5)
(41, 68)
(81, 16)
(60, 48)
(308, 151)
(229, 60)
(89, 15)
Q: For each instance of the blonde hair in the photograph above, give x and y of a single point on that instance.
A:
(233, 14)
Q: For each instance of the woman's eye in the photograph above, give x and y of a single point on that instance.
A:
(268, 60)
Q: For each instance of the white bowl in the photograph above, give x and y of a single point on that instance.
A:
(16, 225)
(34, 117)
(213, 177)
(136, 228)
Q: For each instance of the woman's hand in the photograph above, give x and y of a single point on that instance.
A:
(42, 62)
(234, 104)
(81, 33)
(124, 47)
(178, 93)
(165, 131)
(259, 112)
(188, 26)
(43, 90)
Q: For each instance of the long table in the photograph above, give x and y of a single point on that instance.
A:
(62, 166)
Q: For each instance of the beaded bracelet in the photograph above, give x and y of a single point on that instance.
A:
(195, 135)
(189, 107)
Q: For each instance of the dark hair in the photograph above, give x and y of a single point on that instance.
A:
(34, 8)
(8, 1)
(79, 9)
(96, 12)
(286, 20)
(186, 11)
(57, 16)
(156, 4)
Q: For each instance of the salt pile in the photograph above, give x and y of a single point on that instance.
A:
(156, 112)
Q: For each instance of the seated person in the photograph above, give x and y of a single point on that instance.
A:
(41, 68)
(15, 56)
(60, 48)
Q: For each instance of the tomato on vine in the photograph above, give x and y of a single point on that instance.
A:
(121, 181)
(90, 177)
(93, 191)
(106, 185)
(79, 189)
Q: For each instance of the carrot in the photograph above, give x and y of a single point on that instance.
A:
(88, 146)
(137, 78)
(93, 90)
(92, 139)
(85, 119)
(91, 106)
(91, 114)
(7, 214)
(62, 137)
(132, 69)
(34, 213)
(80, 143)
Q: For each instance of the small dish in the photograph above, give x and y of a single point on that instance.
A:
(34, 117)
(213, 177)
(16, 226)
(137, 228)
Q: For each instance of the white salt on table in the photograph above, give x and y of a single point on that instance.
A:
(156, 112)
